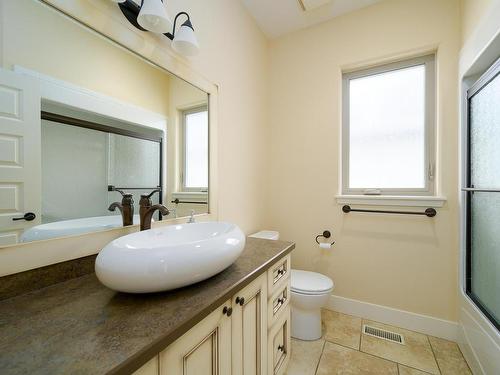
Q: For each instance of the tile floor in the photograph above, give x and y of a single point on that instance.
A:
(344, 350)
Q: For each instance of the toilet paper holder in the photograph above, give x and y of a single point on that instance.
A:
(326, 234)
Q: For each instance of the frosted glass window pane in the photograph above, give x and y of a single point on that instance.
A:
(133, 162)
(485, 252)
(485, 136)
(196, 152)
(387, 130)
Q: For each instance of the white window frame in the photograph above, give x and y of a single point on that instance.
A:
(430, 129)
(184, 114)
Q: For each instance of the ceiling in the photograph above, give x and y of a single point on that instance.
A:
(278, 17)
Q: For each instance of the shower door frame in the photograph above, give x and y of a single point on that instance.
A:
(482, 82)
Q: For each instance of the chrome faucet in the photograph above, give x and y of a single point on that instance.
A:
(126, 208)
(191, 218)
(147, 209)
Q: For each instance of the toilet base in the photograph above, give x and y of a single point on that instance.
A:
(306, 324)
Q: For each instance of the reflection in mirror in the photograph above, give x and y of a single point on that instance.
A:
(195, 149)
(87, 128)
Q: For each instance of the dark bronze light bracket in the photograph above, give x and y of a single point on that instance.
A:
(131, 10)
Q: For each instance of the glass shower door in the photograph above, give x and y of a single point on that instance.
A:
(483, 194)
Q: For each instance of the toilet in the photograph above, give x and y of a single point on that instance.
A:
(310, 291)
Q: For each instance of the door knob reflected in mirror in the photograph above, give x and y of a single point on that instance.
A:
(28, 216)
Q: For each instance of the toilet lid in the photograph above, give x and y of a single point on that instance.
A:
(310, 282)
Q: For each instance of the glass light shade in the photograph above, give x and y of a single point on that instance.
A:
(153, 17)
(185, 41)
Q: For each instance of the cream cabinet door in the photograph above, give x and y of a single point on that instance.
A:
(150, 368)
(249, 329)
(279, 344)
(204, 350)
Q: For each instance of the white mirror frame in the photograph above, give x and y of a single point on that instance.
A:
(105, 18)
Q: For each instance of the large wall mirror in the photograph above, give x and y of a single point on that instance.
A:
(83, 121)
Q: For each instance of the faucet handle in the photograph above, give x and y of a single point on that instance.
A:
(145, 200)
(124, 194)
(148, 196)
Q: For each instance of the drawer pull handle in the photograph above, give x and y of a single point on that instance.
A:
(227, 311)
(240, 301)
(280, 303)
(281, 348)
(279, 273)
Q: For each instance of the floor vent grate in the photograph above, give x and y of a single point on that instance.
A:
(383, 334)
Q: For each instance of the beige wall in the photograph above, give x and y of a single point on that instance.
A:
(404, 262)
(40, 39)
(234, 55)
(471, 12)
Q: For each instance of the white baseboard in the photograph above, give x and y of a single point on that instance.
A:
(468, 352)
(478, 339)
(416, 322)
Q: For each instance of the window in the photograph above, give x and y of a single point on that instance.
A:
(194, 173)
(388, 129)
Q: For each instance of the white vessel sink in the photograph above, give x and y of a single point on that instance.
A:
(72, 227)
(169, 257)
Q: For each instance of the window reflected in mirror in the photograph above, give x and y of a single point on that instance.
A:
(195, 150)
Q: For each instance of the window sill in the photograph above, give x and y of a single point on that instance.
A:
(392, 200)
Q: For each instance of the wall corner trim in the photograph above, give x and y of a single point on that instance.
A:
(404, 319)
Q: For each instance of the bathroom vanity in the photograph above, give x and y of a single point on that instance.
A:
(233, 323)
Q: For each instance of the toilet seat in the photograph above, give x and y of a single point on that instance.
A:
(310, 283)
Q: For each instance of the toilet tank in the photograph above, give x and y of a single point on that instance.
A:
(267, 235)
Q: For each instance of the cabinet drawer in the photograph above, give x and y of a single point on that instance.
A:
(277, 275)
(278, 303)
(279, 345)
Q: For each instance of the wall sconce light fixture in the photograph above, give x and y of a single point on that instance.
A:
(152, 16)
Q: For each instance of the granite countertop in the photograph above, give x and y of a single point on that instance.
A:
(82, 327)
